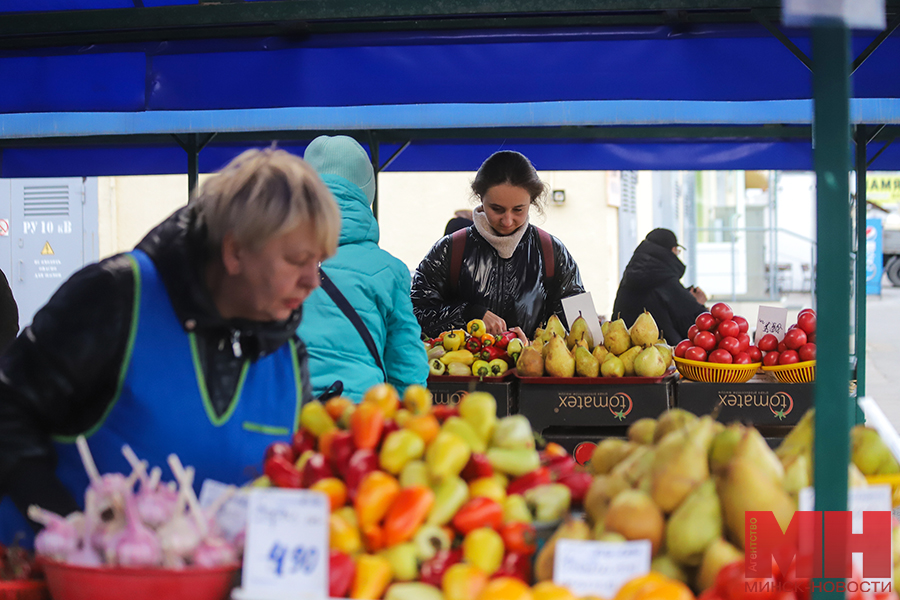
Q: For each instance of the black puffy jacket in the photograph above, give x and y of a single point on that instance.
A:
(60, 375)
(651, 282)
(514, 289)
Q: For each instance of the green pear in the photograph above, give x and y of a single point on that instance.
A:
(637, 466)
(644, 332)
(608, 453)
(754, 448)
(694, 525)
(747, 486)
(616, 338)
(610, 536)
(723, 446)
(800, 438)
(586, 365)
(604, 327)
(554, 325)
(796, 474)
(598, 496)
(627, 359)
(671, 420)
(633, 514)
(666, 565)
(682, 463)
(718, 554)
(530, 363)
(649, 363)
(580, 331)
(868, 451)
(600, 352)
(612, 367)
(559, 362)
(570, 529)
(666, 351)
(642, 430)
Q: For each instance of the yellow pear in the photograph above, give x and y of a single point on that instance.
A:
(580, 331)
(633, 514)
(754, 448)
(666, 565)
(571, 529)
(586, 365)
(636, 465)
(627, 359)
(683, 465)
(718, 554)
(747, 486)
(559, 362)
(608, 453)
(797, 474)
(602, 490)
(694, 525)
(554, 325)
(723, 446)
(600, 352)
(612, 366)
(671, 420)
(604, 327)
(666, 351)
(530, 363)
(616, 338)
(649, 363)
(868, 452)
(644, 332)
(642, 430)
(800, 438)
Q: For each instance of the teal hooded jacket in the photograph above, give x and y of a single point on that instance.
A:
(377, 285)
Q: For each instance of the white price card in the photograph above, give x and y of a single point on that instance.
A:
(599, 568)
(286, 551)
(231, 515)
(771, 319)
(858, 14)
(583, 305)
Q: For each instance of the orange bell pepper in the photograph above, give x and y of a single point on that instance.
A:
(366, 425)
(554, 449)
(373, 537)
(463, 582)
(374, 497)
(335, 489)
(373, 575)
(326, 440)
(407, 513)
(654, 586)
(547, 590)
(505, 588)
(417, 400)
(336, 406)
(426, 426)
(385, 397)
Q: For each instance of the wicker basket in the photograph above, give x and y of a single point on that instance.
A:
(707, 372)
(801, 372)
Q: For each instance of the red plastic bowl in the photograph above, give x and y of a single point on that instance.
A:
(69, 582)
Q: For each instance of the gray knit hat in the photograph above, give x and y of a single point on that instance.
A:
(343, 156)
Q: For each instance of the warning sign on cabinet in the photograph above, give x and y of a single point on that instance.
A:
(4, 227)
(47, 249)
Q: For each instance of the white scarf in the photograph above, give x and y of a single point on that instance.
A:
(505, 245)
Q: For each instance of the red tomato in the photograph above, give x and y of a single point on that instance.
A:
(807, 322)
(742, 358)
(695, 353)
(806, 310)
(744, 339)
(788, 357)
(771, 358)
(730, 344)
(682, 346)
(692, 331)
(729, 329)
(782, 346)
(755, 354)
(705, 340)
(721, 311)
(743, 324)
(807, 352)
(794, 338)
(705, 321)
(280, 449)
(718, 335)
(721, 356)
(811, 337)
(767, 343)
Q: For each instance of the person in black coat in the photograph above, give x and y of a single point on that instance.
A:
(9, 314)
(651, 282)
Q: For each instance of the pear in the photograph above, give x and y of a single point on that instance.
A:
(530, 363)
(666, 351)
(554, 325)
(671, 420)
(747, 486)
(633, 514)
(644, 332)
(604, 327)
(694, 525)
(855, 478)
(610, 536)
(867, 451)
(637, 467)
(609, 453)
(571, 529)
(616, 338)
(583, 344)
(612, 366)
(723, 446)
(718, 554)
(586, 365)
(580, 331)
(681, 463)
(598, 496)
(666, 565)
(796, 474)
(600, 352)
(649, 363)
(800, 438)
(642, 430)
(627, 359)
(559, 362)
(754, 448)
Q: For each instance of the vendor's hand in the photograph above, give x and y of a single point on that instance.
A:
(699, 294)
(493, 324)
(518, 331)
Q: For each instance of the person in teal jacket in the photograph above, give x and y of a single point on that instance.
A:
(375, 283)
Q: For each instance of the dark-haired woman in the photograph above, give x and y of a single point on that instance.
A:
(501, 269)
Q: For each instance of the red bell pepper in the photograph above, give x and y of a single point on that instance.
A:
(473, 345)
(361, 463)
(342, 448)
(505, 338)
(478, 512)
(341, 571)
(316, 468)
(520, 485)
(519, 537)
(432, 571)
(515, 565)
(406, 514)
(282, 472)
(302, 441)
(390, 426)
(491, 352)
(559, 466)
(366, 424)
(477, 467)
(578, 483)
(282, 448)
(442, 412)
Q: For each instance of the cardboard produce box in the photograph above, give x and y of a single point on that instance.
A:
(449, 389)
(762, 402)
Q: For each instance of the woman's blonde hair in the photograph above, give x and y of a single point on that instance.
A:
(262, 194)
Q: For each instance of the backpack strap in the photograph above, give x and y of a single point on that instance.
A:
(457, 248)
(547, 253)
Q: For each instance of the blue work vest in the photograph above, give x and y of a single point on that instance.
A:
(162, 405)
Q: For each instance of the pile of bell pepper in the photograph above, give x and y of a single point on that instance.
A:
(444, 497)
(472, 352)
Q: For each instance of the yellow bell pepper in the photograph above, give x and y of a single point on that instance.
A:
(315, 419)
(483, 547)
(404, 561)
(413, 591)
(402, 417)
(461, 427)
(480, 410)
(447, 455)
(385, 396)
(417, 400)
(476, 328)
(415, 472)
(373, 575)
(399, 448)
(516, 509)
(458, 356)
(504, 588)
(452, 341)
(426, 426)
(488, 487)
(450, 494)
(374, 497)
(343, 535)
(463, 582)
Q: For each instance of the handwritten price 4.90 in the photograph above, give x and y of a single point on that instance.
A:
(298, 559)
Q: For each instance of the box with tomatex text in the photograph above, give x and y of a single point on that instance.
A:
(762, 401)
(448, 390)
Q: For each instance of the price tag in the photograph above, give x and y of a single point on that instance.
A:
(232, 515)
(286, 551)
(858, 14)
(583, 305)
(771, 319)
(599, 568)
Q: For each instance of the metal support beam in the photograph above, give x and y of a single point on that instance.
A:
(831, 94)
(877, 154)
(778, 35)
(875, 43)
(193, 143)
(860, 345)
(393, 157)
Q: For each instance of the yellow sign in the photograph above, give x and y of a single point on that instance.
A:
(883, 188)
(47, 249)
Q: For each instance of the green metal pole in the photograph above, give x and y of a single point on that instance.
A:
(831, 96)
(860, 338)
